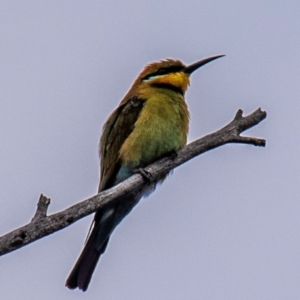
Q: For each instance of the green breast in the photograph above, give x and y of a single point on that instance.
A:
(161, 127)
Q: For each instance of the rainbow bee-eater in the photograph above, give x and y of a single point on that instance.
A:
(151, 121)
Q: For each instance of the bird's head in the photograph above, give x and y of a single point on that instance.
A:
(170, 73)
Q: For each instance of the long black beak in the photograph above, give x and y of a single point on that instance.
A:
(191, 68)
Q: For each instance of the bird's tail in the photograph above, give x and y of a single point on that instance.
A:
(105, 222)
(82, 272)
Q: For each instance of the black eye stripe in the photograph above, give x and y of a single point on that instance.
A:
(164, 71)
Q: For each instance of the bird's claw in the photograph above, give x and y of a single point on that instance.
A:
(147, 176)
(173, 154)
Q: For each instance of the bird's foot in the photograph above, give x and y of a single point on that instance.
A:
(173, 154)
(145, 174)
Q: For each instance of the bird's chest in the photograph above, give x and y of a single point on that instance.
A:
(161, 127)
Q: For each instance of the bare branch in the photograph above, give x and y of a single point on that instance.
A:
(42, 225)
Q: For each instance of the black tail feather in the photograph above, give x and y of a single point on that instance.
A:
(82, 272)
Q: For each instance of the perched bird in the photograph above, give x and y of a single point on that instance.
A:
(151, 121)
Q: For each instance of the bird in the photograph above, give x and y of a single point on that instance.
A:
(151, 122)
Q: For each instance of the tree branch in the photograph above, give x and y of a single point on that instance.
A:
(42, 225)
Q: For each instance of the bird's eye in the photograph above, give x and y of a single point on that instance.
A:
(135, 102)
(161, 71)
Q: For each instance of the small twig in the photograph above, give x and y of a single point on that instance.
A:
(238, 115)
(43, 225)
(250, 140)
(42, 207)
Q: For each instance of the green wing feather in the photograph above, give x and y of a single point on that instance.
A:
(116, 129)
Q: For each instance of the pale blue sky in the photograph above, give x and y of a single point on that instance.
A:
(223, 226)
